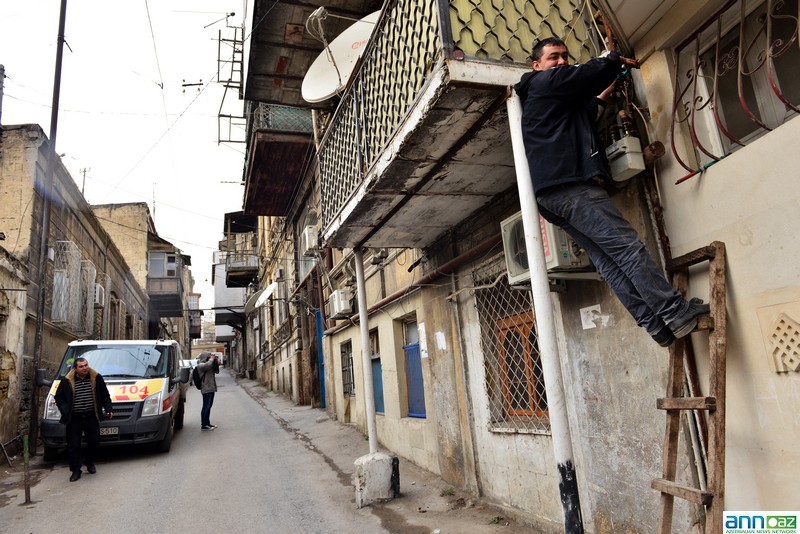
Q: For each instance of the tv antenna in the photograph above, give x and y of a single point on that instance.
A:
(225, 18)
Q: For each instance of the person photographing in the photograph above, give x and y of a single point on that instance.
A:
(208, 367)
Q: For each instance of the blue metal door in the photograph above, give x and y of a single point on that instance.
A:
(320, 359)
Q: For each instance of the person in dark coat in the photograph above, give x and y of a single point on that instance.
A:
(82, 398)
(570, 175)
(208, 367)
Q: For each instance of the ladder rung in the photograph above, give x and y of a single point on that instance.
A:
(692, 258)
(688, 494)
(705, 322)
(687, 403)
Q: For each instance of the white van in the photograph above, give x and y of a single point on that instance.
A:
(147, 387)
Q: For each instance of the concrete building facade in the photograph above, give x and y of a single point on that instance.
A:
(424, 166)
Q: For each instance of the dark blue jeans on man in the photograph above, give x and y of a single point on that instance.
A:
(205, 411)
(585, 212)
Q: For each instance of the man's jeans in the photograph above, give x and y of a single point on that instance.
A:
(586, 213)
(205, 411)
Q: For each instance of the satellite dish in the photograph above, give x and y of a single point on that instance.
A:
(332, 69)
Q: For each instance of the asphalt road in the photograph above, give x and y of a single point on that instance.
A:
(248, 475)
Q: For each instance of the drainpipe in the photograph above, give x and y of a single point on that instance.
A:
(44, 243)
(366, 357)
(545, 326)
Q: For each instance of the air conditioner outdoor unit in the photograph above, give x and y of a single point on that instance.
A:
(341, 302)
(279, 273)
(309, 241)
(561, 254)
(99, 296)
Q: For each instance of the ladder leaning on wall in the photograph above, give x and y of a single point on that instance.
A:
(713, 496)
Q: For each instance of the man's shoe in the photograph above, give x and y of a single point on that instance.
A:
(664, 337)
(207, 427)
(91, 469)
(75, 476)
(212, 427)
(682, 326)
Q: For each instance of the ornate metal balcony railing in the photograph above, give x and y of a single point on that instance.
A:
(735, 79)
(277, 117)
(411, 40)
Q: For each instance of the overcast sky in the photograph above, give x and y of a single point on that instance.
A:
(130, 127)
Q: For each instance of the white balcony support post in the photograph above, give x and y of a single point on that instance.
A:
(366, 357)
(545, 326)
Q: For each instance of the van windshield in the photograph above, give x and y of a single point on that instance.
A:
(121, 361)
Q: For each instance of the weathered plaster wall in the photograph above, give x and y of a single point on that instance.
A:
(12, 324)
(749, 200)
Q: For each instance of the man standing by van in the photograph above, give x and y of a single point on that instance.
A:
(82, 397)
(207, 366)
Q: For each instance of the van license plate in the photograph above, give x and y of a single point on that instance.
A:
(109, 431)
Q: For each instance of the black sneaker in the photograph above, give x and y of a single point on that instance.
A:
(664, 337)
(209, 427)
(682, 326)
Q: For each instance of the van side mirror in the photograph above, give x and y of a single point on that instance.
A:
(183, 376)
(41, 378)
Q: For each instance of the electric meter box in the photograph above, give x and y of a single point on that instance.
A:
(625, 158)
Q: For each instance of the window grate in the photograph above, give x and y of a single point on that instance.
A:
(735, 79)
(513, 375)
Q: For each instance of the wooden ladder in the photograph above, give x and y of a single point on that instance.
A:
(713, 497)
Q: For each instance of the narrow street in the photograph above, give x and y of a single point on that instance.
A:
(270, 466)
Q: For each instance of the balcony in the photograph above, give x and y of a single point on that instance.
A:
(420, 139)
(241, 268)
(280, 143)
(166, 295)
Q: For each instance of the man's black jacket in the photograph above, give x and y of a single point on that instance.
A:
(559, 113)
(65, 395)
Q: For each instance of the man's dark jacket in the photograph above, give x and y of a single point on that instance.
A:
(559, 114)
(65, 395)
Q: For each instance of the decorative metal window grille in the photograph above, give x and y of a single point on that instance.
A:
(348, 377)
(87, 288)
(507, 31)
(66, 307)
(513, 378)
(735, 79)
(409, 41)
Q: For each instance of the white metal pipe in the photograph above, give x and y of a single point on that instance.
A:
(366, 357)
(545, 325)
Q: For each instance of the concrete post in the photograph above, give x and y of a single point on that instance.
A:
(376, 476)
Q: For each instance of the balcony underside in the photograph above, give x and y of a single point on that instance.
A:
(240, 276)
(450, 157)
(167, 305)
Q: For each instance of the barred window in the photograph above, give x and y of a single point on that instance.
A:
(512, 364)
(737, 77)
(348, 379)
